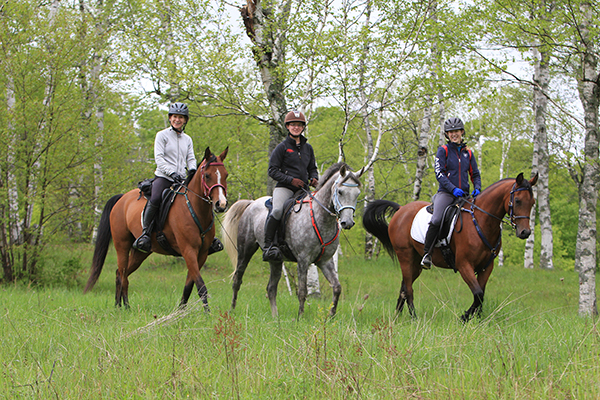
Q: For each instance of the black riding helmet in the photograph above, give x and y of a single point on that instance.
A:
(453, 124)
(180, 109)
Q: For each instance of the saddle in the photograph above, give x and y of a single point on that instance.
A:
(168, 196)
(288, 206)
(451, 215)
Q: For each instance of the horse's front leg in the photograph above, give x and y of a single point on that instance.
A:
(468, 275)
(194, 261)
(328, 269)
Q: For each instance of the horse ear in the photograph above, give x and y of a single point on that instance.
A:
(534, 180)
(519, 179)
(343, 171)
(207, 154)
(224, 154)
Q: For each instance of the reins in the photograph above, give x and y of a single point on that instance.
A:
(337, 206)
(507, 220)
(206, 197)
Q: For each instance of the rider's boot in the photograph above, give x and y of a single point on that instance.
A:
(144, 242)
(215, 246)
(430, 238)
(271, 252)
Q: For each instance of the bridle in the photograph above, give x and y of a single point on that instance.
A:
(337, 204)
(206, 190)
(510, 220)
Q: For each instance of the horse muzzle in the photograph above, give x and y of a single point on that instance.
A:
(220, 206)
(523, 233)
(347, 224)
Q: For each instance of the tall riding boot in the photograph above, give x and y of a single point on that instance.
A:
(271, 252)
(215, 246)
(430, 237)
(144, 242)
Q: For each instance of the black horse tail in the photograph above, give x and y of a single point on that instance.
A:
(103, 239)
(374, 221)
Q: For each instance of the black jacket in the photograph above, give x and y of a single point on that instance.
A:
(290, 160)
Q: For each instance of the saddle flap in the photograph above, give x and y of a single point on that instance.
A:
(420, 224)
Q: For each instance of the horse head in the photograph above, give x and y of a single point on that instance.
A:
(519, 204)
(213, 179)
(344, 196)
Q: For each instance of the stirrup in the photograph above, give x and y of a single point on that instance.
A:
(215, 246)
(272, 253)
(143, 243)
(426, 261)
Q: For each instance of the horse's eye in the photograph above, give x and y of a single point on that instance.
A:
(206, 176)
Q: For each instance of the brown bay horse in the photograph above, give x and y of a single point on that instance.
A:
(475, 242)
(189, 228)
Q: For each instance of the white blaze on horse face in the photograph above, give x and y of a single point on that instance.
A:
(222, 197)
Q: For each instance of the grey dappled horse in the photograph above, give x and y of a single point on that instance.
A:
(312, 233)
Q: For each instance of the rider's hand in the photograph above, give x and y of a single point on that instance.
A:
(458, 192)
(299, 183)
(475, 193)
(177, 177)
(314, 182)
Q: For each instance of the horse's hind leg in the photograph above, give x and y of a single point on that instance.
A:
(244, 256)
(274, 277)
(331, 275)
(410, 272)
(128, 261)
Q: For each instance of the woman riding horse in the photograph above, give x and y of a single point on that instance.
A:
(292, 165)
(174, 154)
(454, 162)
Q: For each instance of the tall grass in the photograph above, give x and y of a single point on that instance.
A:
(529, 343)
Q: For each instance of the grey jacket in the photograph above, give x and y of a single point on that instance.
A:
(173, 153)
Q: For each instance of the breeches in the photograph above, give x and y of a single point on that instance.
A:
(158, 186)
(280, 195)
(441, 201)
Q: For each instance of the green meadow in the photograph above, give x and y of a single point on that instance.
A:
(57, 343)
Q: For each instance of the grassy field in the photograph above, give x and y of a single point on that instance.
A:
(529, 344)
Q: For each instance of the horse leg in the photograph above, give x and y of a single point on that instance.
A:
(331, 275)
(411, 269)
(468, 275)
(133, 261)
(302, 286)
(193, 261)
(275, 276)
(244, 256)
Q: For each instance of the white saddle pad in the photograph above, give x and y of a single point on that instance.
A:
(420, 224)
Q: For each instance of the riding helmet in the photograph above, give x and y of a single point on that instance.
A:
(294, 116)
(453, 124)
(179, 108)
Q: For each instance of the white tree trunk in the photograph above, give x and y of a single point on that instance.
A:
(13, 193)
(589, 94)
(540, 102)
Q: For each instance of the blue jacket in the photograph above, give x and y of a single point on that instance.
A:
(290, 160)
(453, 166)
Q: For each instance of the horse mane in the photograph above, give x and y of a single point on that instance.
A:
(525, 184)
(331, 171)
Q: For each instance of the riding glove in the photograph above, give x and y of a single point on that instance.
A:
(299, 183)
(177, 177)
(458, 192)
(475, 193)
